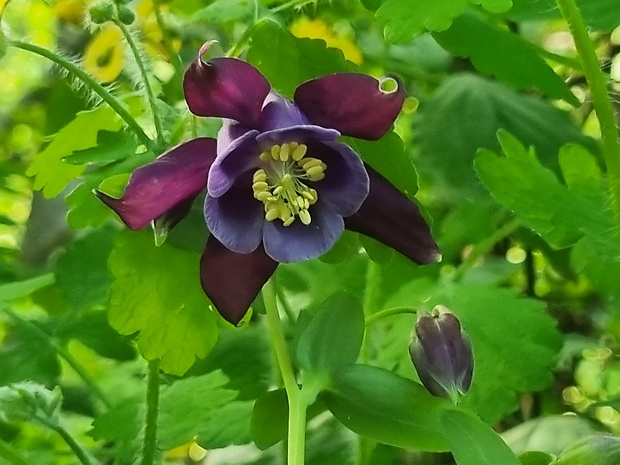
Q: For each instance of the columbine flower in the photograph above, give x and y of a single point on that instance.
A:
(280, 187)
(441, 353)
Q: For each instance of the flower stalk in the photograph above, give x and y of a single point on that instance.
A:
(388, 312)
(600, 99)
(149, 449)
(145, 79)
(296, 406)
(91, 84)
(75, 447)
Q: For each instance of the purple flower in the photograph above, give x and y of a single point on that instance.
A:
(442, 355)
(280, 186)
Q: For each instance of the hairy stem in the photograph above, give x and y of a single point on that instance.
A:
(597, 82)
(296, 405)
(150, 95)
(149, 447)
(91, 84)
(75, 447)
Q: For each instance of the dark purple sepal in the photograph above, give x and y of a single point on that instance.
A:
(390, 217)
(226, 88)
(232, 280)
(163, 184)
(355, 104)
(164, 223)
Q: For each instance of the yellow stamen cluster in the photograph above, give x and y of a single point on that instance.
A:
(279, 185)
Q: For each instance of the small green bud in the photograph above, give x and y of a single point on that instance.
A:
(442, 354)
(126, 15)
(601, 449)
(4, 44)
(101, 11)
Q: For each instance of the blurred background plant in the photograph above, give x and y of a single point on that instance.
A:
(522, 266)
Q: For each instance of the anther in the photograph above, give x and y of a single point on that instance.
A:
(314, 171)
(275, 152)
(304, 216)
(309, 163)
(260, 186)
(284, 152)
(299, 152)
(264, 196)
(260, 175)
(272, 213)
(265, 156)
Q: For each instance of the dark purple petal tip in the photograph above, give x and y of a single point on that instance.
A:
(355, 104)
(232, 280)
(226, 88)
(390, 217)
(163, 184)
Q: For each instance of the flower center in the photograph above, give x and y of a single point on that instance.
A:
(280, 184)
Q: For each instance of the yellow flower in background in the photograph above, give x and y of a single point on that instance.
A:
(190, 449)
(2, 5)
(305, 27)
(153, 39)
(71, 11)
(104, 56)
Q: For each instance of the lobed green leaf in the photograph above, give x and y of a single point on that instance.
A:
(157, 292)
(497, 52)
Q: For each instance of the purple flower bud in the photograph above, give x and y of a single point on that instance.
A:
(442, 355)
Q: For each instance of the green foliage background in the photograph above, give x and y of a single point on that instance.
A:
(499, 143)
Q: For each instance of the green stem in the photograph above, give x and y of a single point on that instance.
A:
(75, 447)
(145, 79)
(172, 55)
(149, 449)
(483, 247)
(91, 84)
(597, 82)
(370, 304)
(65, 354)
(8, 453)
(373, 278)
(296, 405)
(372, 319)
